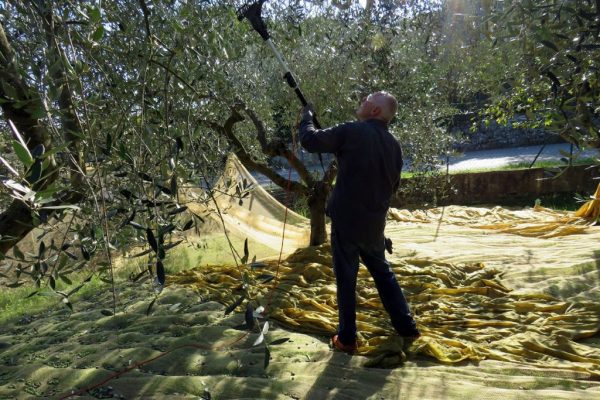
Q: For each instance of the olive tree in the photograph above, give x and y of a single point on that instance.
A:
(554, 49)
(102, 107)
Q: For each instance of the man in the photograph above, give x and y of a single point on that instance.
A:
(369, 163)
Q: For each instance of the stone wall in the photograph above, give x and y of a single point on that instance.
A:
(501, 187)
(494, 187)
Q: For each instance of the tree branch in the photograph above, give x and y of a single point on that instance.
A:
(17, 220)
(247, 160)
(146, 13)
(261, 132)
(279, 148)
(71, 123)
(180, 79)
(331, 173)
(23, 119)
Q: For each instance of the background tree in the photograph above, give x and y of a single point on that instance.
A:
(555, 48)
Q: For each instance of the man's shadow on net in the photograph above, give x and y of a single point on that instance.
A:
(341, 379)
(357, 376)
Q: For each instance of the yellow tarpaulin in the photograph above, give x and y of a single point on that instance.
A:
(258, 216)
(537, 221)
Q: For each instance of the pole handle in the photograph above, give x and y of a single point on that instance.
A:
(291, 81)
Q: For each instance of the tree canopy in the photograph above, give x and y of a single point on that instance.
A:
(115, 106)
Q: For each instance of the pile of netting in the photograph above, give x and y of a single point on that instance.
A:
(463, 311)
(535, 222)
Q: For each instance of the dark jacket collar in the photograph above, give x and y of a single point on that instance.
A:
(379, 122)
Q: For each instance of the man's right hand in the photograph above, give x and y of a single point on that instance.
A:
(308, 111)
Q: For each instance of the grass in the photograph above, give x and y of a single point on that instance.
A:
(554, 163)
(15, 303)
(526, 165)
(556, 201)
(18, 302)
(210, 249)
(300, 206)
(561, 202)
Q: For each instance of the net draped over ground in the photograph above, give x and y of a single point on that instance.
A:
(465, 310)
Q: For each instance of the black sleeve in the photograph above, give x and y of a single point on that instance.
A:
(314, 140)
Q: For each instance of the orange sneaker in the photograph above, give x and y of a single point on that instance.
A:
(335, 341)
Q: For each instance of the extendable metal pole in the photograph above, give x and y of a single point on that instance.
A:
(252, 11)
(280, 58)
(290, 79)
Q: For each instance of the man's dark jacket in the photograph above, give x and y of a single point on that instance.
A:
(369, 164)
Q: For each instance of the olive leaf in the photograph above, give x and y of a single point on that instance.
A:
(249, 316)
(267, 357)
(233, 306)
(279, 341)
(244, 259)
(22, 153)
(151, 239)
(150, 306)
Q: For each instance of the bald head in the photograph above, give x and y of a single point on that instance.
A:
(379, 105)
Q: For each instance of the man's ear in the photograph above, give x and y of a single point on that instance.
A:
(375, 111)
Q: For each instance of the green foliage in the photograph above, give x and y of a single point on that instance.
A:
(555, 50)
(26, 301)
(139, 103)
(133, 89)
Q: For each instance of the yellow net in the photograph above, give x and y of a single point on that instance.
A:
(463, 310)
(503, 309)
(591, 209)
(258, 216)
(536, 221)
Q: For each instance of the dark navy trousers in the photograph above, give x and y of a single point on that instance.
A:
(346, 255)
